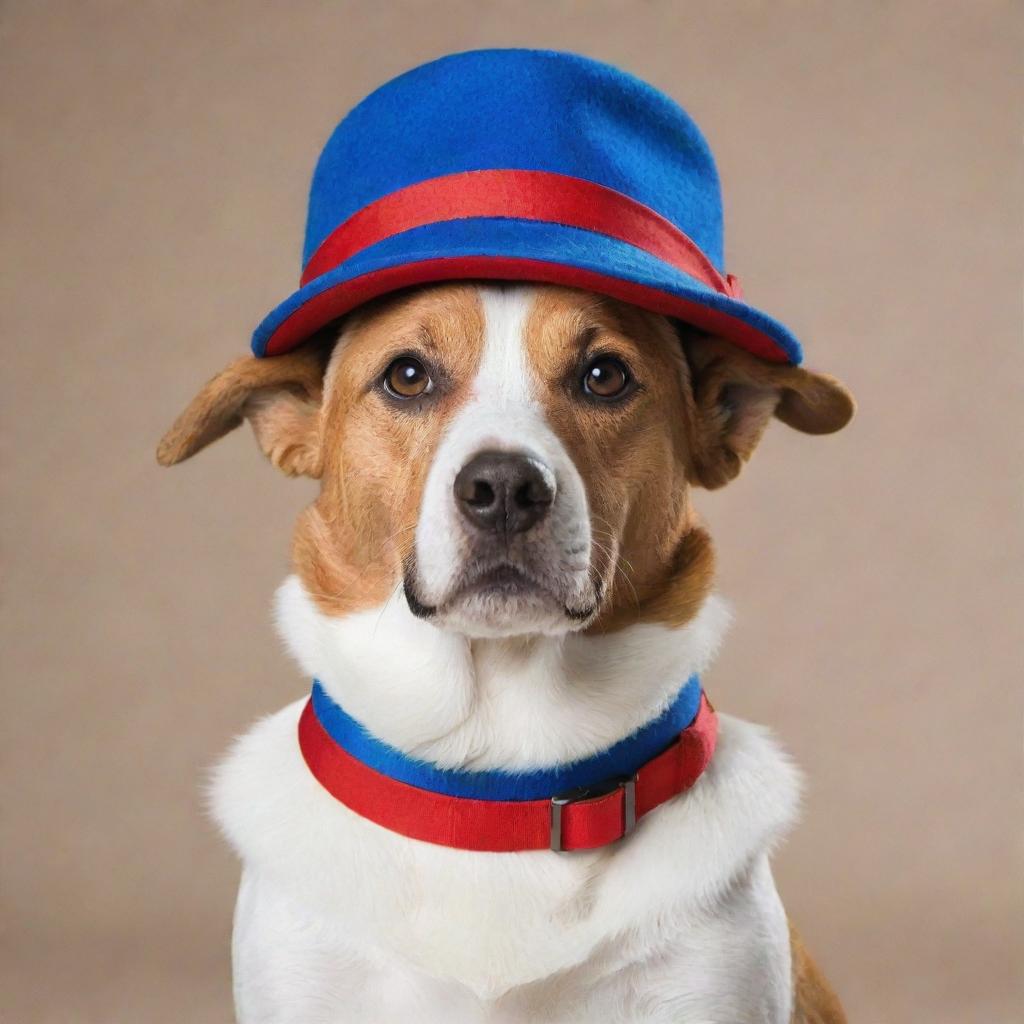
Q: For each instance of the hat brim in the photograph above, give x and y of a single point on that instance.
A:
(506, 249)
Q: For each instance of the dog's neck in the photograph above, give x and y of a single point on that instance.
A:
(516, 704)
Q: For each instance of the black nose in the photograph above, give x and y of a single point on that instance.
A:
(503, 492)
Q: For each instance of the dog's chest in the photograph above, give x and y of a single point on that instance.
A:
(731, 967)
(341, 907)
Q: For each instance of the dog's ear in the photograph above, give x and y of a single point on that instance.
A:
(280, 396)
(735, 396)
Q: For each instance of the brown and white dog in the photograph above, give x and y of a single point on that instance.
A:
(473, 631)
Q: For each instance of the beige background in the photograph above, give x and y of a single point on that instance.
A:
(155, 162)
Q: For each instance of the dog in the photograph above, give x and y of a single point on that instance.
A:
(512, 357)
(476, 629)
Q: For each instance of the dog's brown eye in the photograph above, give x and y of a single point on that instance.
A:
(606, 377)
(407, 378)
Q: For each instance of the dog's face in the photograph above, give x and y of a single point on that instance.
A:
(515, 459)
(505, 450)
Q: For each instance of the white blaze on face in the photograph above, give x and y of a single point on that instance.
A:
(504, 413)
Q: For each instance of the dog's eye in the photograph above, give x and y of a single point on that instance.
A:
(407, 378)
(606, 377)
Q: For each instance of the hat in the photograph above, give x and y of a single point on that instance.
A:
(520, 165)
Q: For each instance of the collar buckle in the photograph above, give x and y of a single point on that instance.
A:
(624, 783)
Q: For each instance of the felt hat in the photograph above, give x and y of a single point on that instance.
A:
(524, 165)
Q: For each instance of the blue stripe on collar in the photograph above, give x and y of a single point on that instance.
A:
(622, 758)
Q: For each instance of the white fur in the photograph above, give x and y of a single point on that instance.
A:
(340, 920)
(524, 702)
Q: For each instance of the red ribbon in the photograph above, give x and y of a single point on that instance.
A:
(524, 195)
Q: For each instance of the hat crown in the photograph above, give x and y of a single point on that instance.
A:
(536, 110)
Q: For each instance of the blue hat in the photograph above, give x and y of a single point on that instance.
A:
(517, 165)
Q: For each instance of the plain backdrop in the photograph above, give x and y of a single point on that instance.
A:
(155, 161)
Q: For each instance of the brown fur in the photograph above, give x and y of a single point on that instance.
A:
(696, 418)
(656, 562)
(349, 546)
(279, 396)
(735, 396)
(814, 1002)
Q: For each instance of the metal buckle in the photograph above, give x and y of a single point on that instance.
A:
(627, 783)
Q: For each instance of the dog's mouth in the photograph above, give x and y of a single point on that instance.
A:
(504, 580)
(500, 591)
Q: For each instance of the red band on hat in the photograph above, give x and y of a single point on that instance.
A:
(504, 826)
(347, 295)
(522, 195)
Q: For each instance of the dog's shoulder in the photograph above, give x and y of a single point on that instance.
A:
(259, 786)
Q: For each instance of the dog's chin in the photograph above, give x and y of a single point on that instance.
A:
(503, 602)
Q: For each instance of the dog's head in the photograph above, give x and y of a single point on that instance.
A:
(514, 459)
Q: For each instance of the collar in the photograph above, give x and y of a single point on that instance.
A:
(578, 806)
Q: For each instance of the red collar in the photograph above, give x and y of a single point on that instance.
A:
(577, 820)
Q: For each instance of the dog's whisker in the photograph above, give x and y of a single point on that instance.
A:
(617, 568)
(395, 591)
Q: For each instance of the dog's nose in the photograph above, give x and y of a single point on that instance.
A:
(504, 492)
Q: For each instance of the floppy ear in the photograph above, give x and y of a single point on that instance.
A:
(280, 396)
(736, 394)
